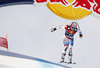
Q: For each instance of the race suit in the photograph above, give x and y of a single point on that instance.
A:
(69, 37)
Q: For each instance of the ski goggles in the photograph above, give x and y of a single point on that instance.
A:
(73, 27)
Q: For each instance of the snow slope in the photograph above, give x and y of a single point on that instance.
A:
(14, 60)
(28, 28)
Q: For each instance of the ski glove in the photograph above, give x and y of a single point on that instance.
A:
(81, 35)
(53, 29)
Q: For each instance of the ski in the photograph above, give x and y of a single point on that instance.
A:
(67, 62)
(63, 62)
(71, 63)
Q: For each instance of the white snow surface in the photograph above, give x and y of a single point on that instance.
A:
(28, 30)
(15, 60)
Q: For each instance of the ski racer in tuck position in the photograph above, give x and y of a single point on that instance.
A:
(70, 31)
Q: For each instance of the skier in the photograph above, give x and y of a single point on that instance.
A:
(70, 30)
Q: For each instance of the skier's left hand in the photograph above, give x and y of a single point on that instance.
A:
(80, 35)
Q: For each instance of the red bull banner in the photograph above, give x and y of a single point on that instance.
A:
(63, 8)
(93, 5)
(3, 42)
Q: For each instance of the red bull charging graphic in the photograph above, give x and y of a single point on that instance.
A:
(87, 4)
(62, 8)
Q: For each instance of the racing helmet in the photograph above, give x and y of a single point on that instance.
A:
(73, 25)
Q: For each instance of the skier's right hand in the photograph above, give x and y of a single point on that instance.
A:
(53, 29)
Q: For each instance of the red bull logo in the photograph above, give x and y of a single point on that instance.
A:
(87, 4)
(93, 5)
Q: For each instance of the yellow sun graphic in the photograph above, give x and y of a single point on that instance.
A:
(67, 11)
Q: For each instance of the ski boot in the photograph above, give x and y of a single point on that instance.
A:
(70, 59)
(62, 58)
